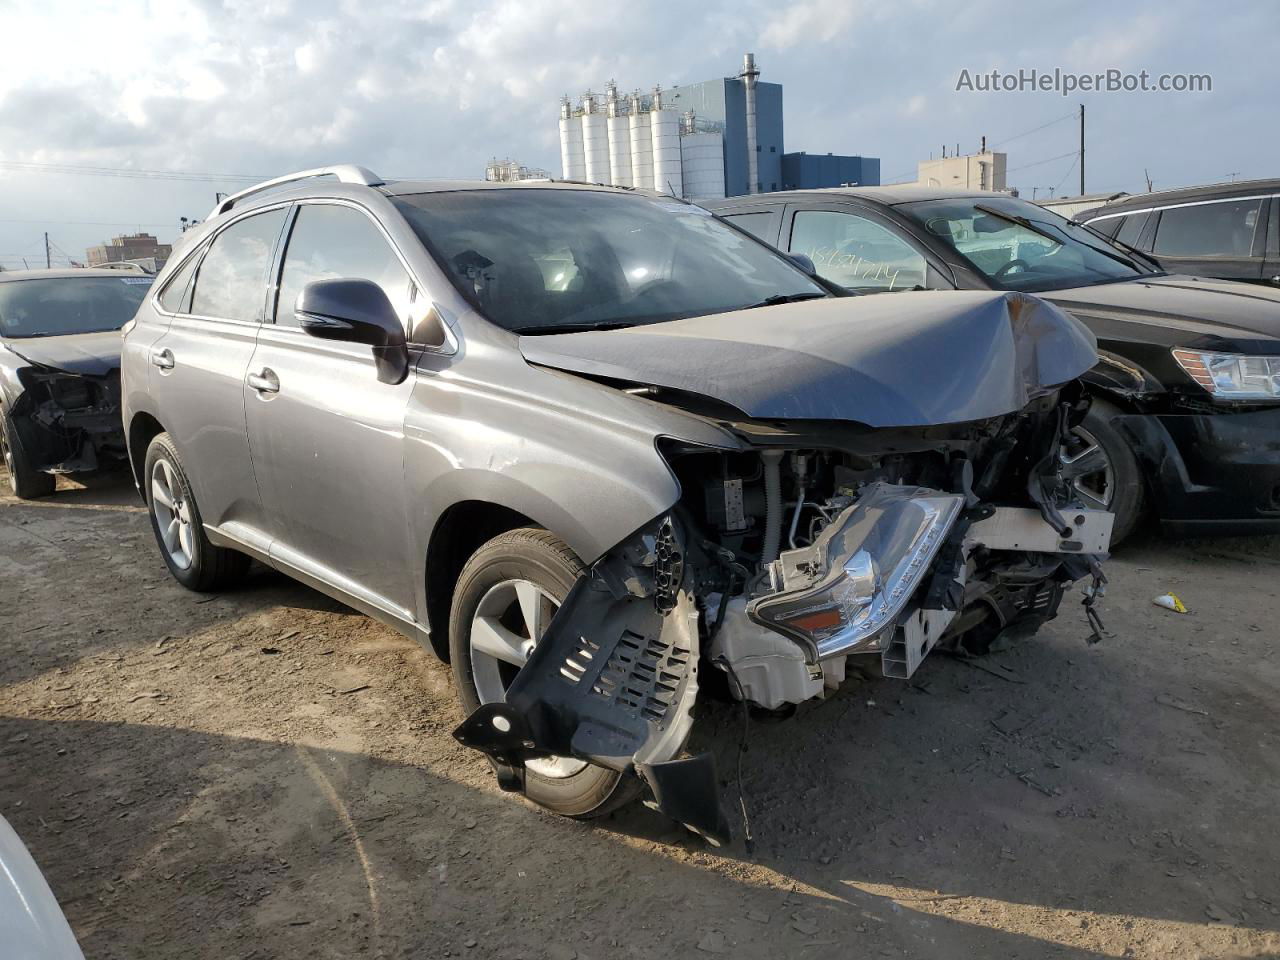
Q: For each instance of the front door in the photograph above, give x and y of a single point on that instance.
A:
(326, 436)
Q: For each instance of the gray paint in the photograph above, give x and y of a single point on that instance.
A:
(950, 358)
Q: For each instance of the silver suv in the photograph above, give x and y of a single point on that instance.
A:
(597, 447)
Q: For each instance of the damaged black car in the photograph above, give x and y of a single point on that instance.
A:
(60, 372)
(597, 448)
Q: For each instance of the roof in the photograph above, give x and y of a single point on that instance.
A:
(1210, 191)
(892, 194)
(397, 188)
(72, 273)
(1084, 198)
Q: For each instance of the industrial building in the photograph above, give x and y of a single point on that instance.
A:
(512, 171)
(700, 141)
(984, 170)
(141, 248)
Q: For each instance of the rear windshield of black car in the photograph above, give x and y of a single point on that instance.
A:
(58, 306)
(549, 260)
(1042, 252)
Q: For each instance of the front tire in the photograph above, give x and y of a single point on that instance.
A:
(1102, 468)
(26, 482)
(175, 520)
(505, 596)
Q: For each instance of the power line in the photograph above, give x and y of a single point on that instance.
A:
(1018, 136)
(1061, 156)
(126, 172)
(1067, 174)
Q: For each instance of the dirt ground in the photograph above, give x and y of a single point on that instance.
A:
(268, 774)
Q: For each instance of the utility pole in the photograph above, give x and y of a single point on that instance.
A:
(1082, 149)
(48, 261)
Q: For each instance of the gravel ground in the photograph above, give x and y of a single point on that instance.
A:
(269, 774)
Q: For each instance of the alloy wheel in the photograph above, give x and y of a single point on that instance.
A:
(508, 623)
(1086, 466)
(172, 513)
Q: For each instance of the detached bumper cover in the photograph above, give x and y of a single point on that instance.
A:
(613, 682)
(1211, 473)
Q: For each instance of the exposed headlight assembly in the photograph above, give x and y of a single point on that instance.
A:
(1232, 376)
(839, 593)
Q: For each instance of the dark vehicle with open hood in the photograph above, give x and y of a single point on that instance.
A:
(1185, 420)
(60, 372)
(593, 446)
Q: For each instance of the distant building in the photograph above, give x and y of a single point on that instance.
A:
(808, 171)
(700, 141)
(510, 171)
(1069, 206)
(977, 171)
(133, 248)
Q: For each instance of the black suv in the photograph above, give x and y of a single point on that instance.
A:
(1186, 411)
(1230, 231)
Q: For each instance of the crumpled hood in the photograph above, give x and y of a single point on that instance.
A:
(1183, 311)
(891, 360)
(92, 354)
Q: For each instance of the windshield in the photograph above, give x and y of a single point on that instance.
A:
(57, 306)
(542, 261)
(1045, 252)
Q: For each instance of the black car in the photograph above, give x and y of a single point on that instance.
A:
(1230, 231)
(1185, 422)
(60, 371)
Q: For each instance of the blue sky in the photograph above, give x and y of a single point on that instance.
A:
(436, 88)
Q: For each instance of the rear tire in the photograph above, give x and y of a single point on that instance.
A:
(26, 482)
(534, 557)
(1120, 486)
(175, 520)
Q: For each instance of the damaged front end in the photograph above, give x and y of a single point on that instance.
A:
(784, 563)
(859, 513)
(68, 422)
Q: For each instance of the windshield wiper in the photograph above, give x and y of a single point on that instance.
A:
(536, 328)
(1035, 227)
(779, 298)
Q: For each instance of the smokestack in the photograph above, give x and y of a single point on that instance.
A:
(749, 75)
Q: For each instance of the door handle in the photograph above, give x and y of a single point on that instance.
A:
(162, 358)
(1276, 280)
(264, 382)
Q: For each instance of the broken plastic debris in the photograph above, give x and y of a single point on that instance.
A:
(1171, 601)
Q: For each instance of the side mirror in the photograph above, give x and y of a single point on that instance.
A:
(804, 263)
(356, 311)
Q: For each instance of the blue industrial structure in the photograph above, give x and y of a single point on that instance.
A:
(676, 141)
(724, 102)
(808, 171)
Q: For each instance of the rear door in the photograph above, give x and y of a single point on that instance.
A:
(860, 248)
(326, 435)
(1218, 238)
(199, 367)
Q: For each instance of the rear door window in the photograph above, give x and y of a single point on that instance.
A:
(331, 242)
(856, 252)
(231, 284)
(1224, 229)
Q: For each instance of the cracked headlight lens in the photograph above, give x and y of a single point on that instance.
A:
(1232, 376)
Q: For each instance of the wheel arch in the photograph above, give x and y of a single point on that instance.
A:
(459, 532)
(143, 428)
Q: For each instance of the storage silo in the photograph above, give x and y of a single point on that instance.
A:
(619, 138)
(702, 163)
(665, 128)
(641, 145)
(573, 162)
(595, 141)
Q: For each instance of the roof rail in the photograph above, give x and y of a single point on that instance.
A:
(345, 172)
